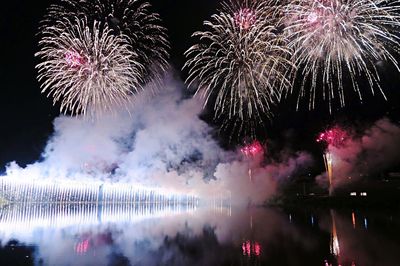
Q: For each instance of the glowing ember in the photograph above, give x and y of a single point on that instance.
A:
(252, 149)
(334, 136)
(245, 18)
(74, 59)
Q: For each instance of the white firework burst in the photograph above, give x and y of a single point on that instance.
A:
(131, 18)
(87, 68)
(239, 61)
(338, 40)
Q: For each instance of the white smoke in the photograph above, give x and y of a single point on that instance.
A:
(160, 142)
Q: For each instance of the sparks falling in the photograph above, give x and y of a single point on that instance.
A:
(339, 40)
(132, 18)
(245, 18)
(87, 69)
(96, 54)
(239, 62)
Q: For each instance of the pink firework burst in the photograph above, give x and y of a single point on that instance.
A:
(244, 18)
(252, 149)
(74, 59)
(312, 17)
(334, 136)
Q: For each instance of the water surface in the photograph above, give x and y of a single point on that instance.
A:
(149, 234)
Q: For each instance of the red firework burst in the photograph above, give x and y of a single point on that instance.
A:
(333, 137)
(252, 149)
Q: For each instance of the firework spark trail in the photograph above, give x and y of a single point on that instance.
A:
(334, 137)
(239, 61)
(337, 40)
(252, 150)
(96, 54)
(86, 68)
(132, 18)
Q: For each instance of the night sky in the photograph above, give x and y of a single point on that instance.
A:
(26, 115)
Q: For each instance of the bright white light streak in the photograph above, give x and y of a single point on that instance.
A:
(18, 190)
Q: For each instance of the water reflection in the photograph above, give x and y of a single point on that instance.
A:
(353, 243)
(151, 234)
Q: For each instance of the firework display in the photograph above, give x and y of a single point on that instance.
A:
(333, 137)
(99, 35)
(238, 65)
(340, 41)
(132, 18)
(67, 191)
(253, 149)
(87, 68)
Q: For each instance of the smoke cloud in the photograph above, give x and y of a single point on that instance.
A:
(375, 150)
(160, 142)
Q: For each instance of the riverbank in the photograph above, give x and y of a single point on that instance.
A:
(325, 201)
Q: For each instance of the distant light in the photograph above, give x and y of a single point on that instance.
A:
(363, 194)
(353, 194)
(365, 223)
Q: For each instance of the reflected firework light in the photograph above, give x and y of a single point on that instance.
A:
(335, 248)
(353, 219)
(25, 218)
(251, 249)
(90, 241)
(82, 247)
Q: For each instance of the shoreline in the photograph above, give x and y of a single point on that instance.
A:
(337, 202)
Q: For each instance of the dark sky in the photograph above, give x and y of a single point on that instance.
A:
(26, 115)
